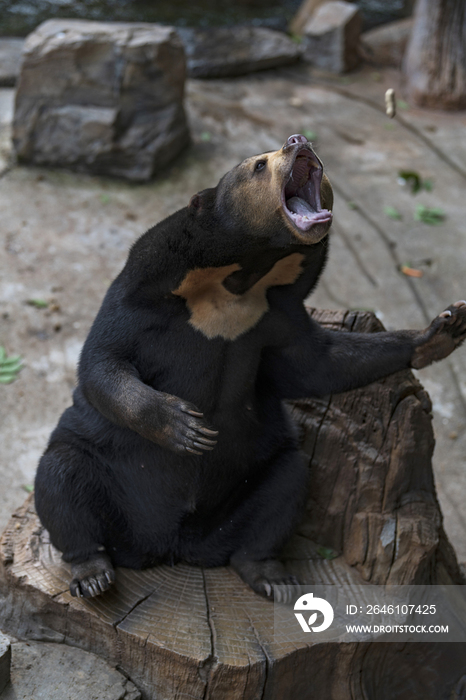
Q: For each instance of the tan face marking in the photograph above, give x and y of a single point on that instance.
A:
(217, 312)
(259, 197)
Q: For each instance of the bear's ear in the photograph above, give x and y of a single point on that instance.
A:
(201, 201)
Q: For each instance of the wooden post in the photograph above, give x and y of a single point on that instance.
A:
(435, 62)
(188, 632)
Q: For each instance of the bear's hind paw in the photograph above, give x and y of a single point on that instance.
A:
(268, 578)
(92, 577)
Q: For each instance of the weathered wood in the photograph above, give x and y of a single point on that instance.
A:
(187, 632)
(5, 661)
(435, 65)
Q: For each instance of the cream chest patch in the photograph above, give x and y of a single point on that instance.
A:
(217, 312)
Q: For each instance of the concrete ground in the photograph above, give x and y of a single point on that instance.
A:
(65, 236)
(46, 671)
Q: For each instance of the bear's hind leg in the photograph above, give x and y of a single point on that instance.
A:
(267, 519)
(69, 499)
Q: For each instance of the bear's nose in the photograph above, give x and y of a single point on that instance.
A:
(296, 138)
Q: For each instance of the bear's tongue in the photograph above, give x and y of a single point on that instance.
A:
(300, 207)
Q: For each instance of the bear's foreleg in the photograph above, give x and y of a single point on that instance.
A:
(322, 362)
(115, 390)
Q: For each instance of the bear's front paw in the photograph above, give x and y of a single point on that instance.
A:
(444, 334)
(184, 431)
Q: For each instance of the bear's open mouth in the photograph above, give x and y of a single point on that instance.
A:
(301, 193)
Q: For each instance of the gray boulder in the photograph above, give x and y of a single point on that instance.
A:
(386, 45)
(373, 12)
(331, 37)
(378, 12)
(218, 52)
(105, 98)
(10, 60)
(303, 15)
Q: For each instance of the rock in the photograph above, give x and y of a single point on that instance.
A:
(218, 52)
(377, 12)
(373, 12)
(10, 60)
(331, 37)
(385, 46)
(303, 16)
(5, 661)
(106, 98)
(60, 672)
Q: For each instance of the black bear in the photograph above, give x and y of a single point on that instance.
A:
(177, 446)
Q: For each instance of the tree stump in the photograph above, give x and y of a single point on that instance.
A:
(435, 61)
(188, 632)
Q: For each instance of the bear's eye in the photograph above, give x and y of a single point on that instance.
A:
(260, 165)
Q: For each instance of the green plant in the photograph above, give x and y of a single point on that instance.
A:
(38, 303)
(433, 216)
(327, 553)
(392, 213)
(9, 366)
(310, 135)
(414, 181)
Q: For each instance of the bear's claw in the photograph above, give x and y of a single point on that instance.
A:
(444, 334)
(268, 578)
(92, 577)
(185, 430)
(280, 590)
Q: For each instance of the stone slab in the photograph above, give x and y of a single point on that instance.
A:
(331, 37)
(380, 12)
(386, 45)
(303, 15)
(228, 51)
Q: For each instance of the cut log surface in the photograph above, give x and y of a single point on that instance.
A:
(187, 632)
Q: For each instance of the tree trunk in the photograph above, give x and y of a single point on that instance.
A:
(435, 62)
(186, 632)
